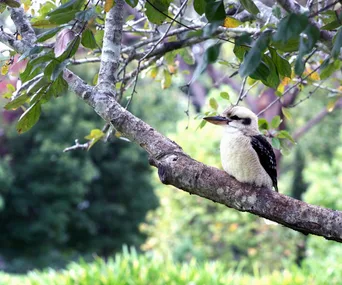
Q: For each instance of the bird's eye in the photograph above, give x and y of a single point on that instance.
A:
(235, 118)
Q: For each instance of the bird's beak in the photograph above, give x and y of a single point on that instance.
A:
(217, 120)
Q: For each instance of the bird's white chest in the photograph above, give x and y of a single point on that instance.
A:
(241, 161)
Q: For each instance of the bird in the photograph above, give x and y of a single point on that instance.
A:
(245, 152)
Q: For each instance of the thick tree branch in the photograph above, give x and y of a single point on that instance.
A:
(110, 57)
(23, 25)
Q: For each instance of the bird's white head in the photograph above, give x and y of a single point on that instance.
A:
(237, 118)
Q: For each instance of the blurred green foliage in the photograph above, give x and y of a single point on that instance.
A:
(56, 206)
(131, 268)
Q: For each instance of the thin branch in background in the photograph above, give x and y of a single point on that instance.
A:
(241, 90)
(331, 90)
(77, 145)
(308, 96)
(167, 16)
(249, 89)
(288, 90)
(84, 60)
(152, 49)
(324, 9)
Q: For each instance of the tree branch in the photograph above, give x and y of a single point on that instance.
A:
(24, 26)
(110, 57)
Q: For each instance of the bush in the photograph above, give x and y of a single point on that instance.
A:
(131, 268)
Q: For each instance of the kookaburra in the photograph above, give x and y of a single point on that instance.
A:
(245, 152)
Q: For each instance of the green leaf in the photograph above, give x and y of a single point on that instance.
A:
(63, 18)
(99, 37)
(2, 8)
(88, 39)
(250, 6)
(299, 65)
(32, 51)
(214, 11)
(330, 68)
(58, 87)
(286, 113)
(132, 3)
(187, 56)
(261, 73)
(213, 53)
(67, 7)
(213, 103)
(39, 95)
(332, 103)
(224, 95)
(285, 135)
(276, 143)
(12, 3)
(29, 118)
(48, 34)
(276, 121)
(167, 79)
(253, 57)
(283, 66)
(17, 102)
(50, 67)
(210, 56)
(290, 27)
(94, 136)
(199, 6)
(71, 49)
(306, 44)
(272, 80)
(336, 51)
(263, 124)
(35, 86)
(43, 24)
(202, 124)
(291, 45)
(58, 69)
(156, 10)
(86, 15)
(240, 51)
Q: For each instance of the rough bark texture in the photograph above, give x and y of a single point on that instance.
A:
(111, 47)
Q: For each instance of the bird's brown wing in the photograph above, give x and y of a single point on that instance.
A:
(266, 157)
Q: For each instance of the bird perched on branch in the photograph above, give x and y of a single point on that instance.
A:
(245, 152)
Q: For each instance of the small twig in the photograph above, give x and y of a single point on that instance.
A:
(308, 96)
(331, 90)
(241, 90)
(77, 145)
(167, 16)
(85, 60)
(249, 89)
(287, 90)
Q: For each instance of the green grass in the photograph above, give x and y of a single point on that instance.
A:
(129, 268)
